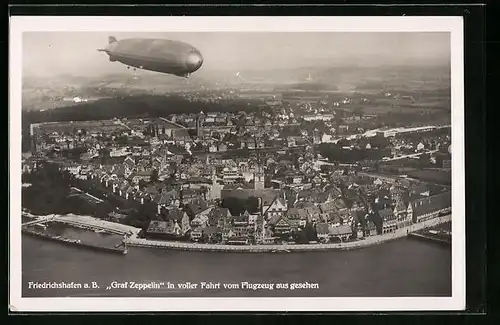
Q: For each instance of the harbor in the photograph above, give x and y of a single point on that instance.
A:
(79, 231)
(119, 249)
(440, 234)
(131, 236)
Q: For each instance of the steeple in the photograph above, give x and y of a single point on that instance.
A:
(259, 172)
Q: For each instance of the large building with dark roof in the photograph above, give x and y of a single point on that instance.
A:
(429, 207)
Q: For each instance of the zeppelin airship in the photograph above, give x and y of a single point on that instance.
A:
(160, 55)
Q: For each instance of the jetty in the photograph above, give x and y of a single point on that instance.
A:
(439, 237)
(83, 222)
(75, 242)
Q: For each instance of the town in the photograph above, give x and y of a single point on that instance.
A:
(284, 173)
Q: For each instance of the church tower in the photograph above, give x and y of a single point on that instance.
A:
(216, 189)
(199, 121)
(258, 178)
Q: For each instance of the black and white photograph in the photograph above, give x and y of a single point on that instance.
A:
(245, 163)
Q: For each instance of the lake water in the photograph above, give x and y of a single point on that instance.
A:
(404, 267)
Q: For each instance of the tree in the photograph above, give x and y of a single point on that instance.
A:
(423, 160)
(358, 111)
(142, 184)
(154, 176)
(310, 232)
(235, 205)
(144, 214)
(252, 204)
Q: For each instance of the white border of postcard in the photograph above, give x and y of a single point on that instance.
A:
(454, 25)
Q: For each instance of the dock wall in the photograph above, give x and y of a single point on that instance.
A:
(368, 241)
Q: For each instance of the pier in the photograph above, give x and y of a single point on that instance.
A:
(437, 237)
(84, 222)
(74, 242)
(42, 219)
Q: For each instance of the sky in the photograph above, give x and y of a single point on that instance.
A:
(47, 54)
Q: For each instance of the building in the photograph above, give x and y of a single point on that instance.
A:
(259, 178)
(323, 232)
(277, 208)
(340, 233)
(429, 207)
(231, 175)
(139, 176)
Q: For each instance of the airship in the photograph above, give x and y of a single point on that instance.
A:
(159, 55)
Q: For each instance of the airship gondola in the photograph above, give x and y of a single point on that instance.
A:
(159, 55)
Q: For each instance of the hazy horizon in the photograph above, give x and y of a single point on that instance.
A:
(50, 54)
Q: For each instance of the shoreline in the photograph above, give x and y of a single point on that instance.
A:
(367, 242)
(134, 241)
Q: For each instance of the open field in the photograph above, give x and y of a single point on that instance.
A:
(69, 126)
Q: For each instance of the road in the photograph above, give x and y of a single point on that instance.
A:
(85, 193)
(410, 155)
(123, 124)
(166, 120)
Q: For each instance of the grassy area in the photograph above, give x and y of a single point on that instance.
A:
(435, 176)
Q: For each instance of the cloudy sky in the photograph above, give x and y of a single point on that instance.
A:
(53, 53)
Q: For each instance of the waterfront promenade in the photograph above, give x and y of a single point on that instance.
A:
(133, 239)
(368, 241)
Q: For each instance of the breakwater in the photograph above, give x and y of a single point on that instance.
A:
(84, 222)
(368, 241)
(74, 242)
(431, 238)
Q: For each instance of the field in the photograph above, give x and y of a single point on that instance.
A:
(104, 126)
(141, 123)
(428, 175)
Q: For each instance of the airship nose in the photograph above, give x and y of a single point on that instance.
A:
(194, 61)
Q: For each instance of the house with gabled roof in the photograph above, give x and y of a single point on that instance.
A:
(164, 229)
(118, 170)
(138, 176)
(129, 163)
(280, 224)
(317, 180)
(130, 191)
(322, 231)
(278, 207)
(400, 210)
(389, 220)
(217, 214)
(201, 219)
(341, 233)
(124, 185)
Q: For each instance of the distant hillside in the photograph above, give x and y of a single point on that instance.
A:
(144, 105)
(132, 106)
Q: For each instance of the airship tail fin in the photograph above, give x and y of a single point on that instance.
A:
(112, 39)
